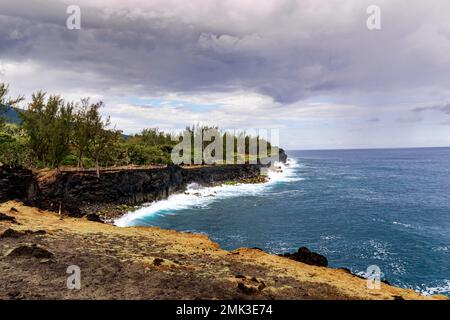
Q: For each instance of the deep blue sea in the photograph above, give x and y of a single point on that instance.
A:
(389, 208)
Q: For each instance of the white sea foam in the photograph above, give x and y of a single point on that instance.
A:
(441, 249)
(402, 224)
(196, 196)
(428, 291)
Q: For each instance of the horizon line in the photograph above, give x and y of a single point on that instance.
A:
(364, 148)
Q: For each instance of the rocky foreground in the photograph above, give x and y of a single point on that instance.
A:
(37, 247)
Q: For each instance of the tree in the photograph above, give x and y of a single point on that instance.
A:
(14, 150)
(60, 131)
(34, 123)
(49, 124)
(81, 134)
(100, 139)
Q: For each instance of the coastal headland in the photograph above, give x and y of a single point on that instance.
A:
(51, 220)
(37, 248)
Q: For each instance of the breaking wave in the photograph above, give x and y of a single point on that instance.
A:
(197, 196)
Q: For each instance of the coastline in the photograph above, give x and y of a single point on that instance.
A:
(114, 192)
(79, 194)
(151, 263)
(42, 191)
(199, 195)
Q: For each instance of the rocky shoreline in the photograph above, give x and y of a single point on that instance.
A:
(83, 193)
(104, 198)
(80, 194)
(37, 247)
(28, 240)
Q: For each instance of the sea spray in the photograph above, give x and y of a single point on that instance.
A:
(200, 197)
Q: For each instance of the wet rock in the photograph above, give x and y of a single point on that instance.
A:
(94, 218)
(30, 251)
(282, 155)
(307, 256)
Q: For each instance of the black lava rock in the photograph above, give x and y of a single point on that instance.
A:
(307, 256)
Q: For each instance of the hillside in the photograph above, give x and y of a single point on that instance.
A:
(11, 115)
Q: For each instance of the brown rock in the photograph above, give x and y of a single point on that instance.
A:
(247, 289)
(11, 233)
(30, 251)
(250, 285)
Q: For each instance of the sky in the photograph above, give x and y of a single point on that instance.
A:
(311, 69)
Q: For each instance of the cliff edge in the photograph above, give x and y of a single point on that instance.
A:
(37, 247)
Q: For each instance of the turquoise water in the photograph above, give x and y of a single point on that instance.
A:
(389, 208)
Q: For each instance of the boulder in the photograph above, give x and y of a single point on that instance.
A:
(94, 217)
(250, 285)
(307, 256)
(11, 233)
(282, 155)
(30, 251)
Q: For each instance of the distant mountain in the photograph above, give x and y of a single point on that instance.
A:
(11, 115)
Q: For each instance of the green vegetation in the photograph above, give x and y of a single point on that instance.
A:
(55, 133)
(14, 146)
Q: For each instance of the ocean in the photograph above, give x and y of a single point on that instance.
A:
(383, 207)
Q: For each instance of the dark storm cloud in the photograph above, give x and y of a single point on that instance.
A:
(289, 50)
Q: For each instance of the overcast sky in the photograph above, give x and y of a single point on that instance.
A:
(310, 68)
